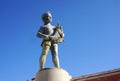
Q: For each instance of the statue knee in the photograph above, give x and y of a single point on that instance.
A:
(54, 53)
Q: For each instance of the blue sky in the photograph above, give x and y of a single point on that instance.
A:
(92, 36)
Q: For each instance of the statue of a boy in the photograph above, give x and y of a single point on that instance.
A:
(51, 36)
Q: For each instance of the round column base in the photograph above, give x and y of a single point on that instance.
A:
(53, 74)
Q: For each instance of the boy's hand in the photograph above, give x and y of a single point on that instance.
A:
(47, 37)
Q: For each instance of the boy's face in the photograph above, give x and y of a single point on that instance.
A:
(47, 18)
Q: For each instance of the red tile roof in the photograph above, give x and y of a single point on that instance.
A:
(97, 75)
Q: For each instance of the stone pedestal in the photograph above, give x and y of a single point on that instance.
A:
(53, 74)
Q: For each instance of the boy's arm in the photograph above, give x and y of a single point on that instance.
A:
(41, 34)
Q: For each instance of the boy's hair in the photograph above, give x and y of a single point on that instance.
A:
(46, 14)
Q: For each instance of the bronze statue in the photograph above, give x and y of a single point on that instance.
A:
(51, 36)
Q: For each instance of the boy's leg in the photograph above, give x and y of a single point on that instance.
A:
(45, 49)
(54, 51)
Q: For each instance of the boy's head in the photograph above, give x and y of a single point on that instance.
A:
(47, 17)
